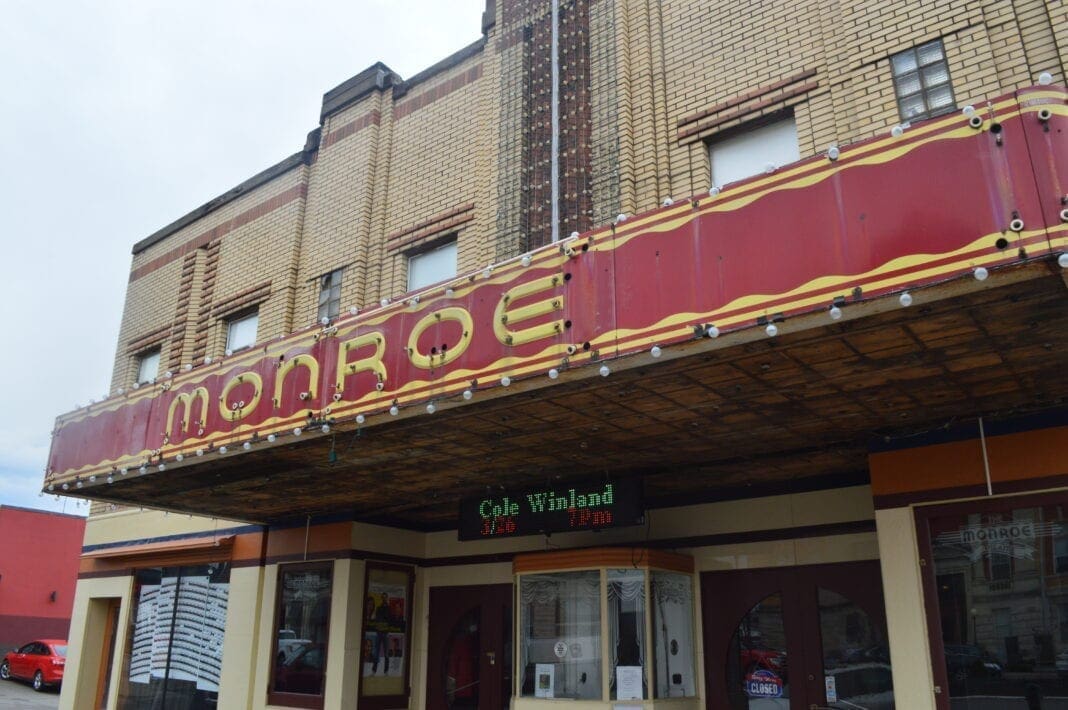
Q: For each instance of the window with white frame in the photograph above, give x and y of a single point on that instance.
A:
(758, 150)
(432, 266)
(148, 365)
(241, 331)
(922, 82)
(330, 294)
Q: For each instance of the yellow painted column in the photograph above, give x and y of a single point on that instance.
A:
(910, 653)
(346, 625)
(237, 684)
(85, 648)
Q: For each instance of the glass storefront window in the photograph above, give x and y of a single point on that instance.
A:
(626, 634)
(174, 653)
(302, 622)
(560, 626)
(673, 673)
(643, 615)
(1002, 592)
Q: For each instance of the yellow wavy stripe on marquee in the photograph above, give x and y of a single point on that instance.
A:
(824, 284)
(812, 178)
(1055, 109)
(855, 153)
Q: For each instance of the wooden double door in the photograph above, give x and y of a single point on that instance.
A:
(469, 659)
(796, 638)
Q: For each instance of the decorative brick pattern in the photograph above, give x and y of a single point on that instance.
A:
(204, 322)
(147, 340)
(352, 128)
(576, 194)
(430, 229)
(221, 230)
(181, 313)
(241, 300)
(440, 91)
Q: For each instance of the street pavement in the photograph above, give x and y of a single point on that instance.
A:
(15, 695)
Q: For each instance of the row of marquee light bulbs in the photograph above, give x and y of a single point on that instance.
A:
(709, 330)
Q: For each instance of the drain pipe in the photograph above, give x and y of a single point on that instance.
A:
(554, 178)
(307, 531)
(986, 461)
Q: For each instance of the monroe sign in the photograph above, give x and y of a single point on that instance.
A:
(764, 249)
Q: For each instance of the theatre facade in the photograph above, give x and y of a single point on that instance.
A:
(723, 370)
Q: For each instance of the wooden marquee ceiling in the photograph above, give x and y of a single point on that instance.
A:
(710, 420)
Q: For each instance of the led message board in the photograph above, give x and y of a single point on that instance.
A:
(547, 509)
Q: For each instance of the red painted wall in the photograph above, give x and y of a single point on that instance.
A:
(39, 554)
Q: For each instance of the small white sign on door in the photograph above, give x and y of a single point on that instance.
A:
(832, 689)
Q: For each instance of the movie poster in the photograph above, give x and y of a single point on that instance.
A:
(385, 632)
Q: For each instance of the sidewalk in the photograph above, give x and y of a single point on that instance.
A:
(20, 696)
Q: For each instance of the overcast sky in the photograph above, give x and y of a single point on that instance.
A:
(118, 117)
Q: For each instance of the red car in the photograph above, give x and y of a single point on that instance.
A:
(40, 662)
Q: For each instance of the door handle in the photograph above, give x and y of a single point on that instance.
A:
(492, 657)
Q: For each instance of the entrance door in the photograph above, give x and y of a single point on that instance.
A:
(469, 664)
(796, 638)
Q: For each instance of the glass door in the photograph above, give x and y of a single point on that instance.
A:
(996, 584)
(797, 638)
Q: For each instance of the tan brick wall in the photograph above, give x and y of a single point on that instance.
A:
(150, 306)
(340, 191)
(251, 240)
(439, 160)
(713, 52)
(454, 139)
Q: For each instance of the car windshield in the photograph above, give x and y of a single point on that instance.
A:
(60, 650)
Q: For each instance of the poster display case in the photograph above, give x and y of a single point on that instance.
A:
(386, 642)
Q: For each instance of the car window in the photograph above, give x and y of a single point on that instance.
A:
(28, 648)
(60, 650)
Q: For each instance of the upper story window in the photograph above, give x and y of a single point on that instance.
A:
(241, 331)
(922, 82)
(757, 150)
(330, 295)
(431, 266)
(148, 365)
